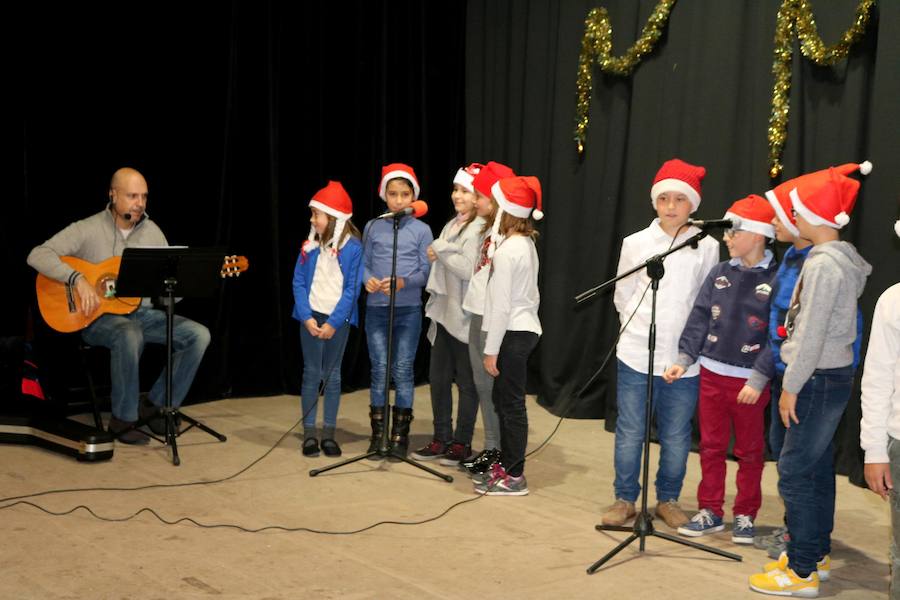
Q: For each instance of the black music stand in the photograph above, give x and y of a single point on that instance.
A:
(643, 521)
(167, 273)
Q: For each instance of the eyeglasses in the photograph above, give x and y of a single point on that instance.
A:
(730, 233)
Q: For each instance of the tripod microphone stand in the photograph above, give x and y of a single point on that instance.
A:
(384, 448)
(643, 522)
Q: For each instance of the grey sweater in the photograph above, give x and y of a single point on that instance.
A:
(821, 320)
(93, 239)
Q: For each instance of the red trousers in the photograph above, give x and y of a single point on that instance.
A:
(719, 413)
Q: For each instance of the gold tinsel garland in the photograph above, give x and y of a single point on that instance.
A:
(793, 16)
(596, 48)
(797, 15)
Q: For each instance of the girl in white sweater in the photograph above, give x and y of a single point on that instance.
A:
(453, 257)
(512, 325)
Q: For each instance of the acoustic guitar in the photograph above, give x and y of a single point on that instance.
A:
(60, 304)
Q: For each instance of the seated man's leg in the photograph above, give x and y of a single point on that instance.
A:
(123, 335)
(189, 342)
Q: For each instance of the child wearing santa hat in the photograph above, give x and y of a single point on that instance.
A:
(399, 188)
(674, 195)
(880, 425)
(726, 331)
(769, 366)
(512, 326)
(821, 329)
(326, 287)
(453, 255)
(473, 303)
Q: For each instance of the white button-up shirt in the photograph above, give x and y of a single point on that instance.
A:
(685, 271)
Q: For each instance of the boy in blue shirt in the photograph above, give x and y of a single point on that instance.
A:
(399, 188)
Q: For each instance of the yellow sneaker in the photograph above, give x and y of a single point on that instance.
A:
(785, 583)
(823, 567)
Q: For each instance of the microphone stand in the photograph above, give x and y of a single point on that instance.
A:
(384, 449)
(643, 521)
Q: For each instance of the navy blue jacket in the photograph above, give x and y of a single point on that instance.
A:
(729, 321)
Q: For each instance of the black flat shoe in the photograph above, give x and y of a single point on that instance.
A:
(331, 448)
(310, 447)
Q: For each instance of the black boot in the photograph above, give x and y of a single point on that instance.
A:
(376, 416)
(400, 431)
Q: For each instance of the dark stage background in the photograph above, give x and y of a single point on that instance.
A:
(237, 112)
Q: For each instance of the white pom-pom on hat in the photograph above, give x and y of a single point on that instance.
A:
(841, 218)
(897, 228)
(537, 215)
(865, 167)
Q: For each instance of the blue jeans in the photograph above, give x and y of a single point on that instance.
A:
(322, 362)
(776, 427)
(673, 406)
(125, 336)
(407, 327)
(806, 466)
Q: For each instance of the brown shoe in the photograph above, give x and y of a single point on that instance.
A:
(619, 512)
(671, 513)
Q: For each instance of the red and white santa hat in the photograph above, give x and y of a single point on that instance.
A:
(755, 215)
(780, 199)
(678, 176)
(466, 175)
(827, 197)
(332, 200)
(490, 174)
(398, 171)
(518, 196)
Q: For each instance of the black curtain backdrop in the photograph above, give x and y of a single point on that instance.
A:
(236, 113)
(704, 95)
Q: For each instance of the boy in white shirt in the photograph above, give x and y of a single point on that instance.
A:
(879, 429)
(675, 194)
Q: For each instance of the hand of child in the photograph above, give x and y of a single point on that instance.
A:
(787, 408)
(326, 332)
(373, 285)
(878, 478)
(673, 373)
(432, 256)
(748, 395)
(490, 364)
(312, 327)
(386, 285)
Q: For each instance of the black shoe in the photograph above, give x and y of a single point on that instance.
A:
(157, 422)
(310, 447)
(120, 429)
(482, 463)
(330, 447)
(431, 451)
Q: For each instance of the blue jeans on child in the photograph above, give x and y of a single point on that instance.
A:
(322, 362)
(125, 336)
(806, 466)
(673, 405)
(407, 327)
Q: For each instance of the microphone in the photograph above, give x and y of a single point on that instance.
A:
(127, 216)
(732, 223)
(417, 209)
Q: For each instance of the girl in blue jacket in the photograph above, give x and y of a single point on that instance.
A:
(326, 288)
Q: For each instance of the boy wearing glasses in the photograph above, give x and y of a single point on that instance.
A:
(726, 330)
